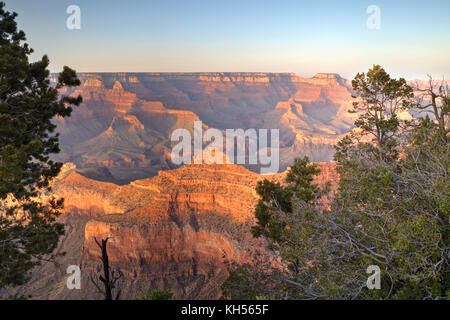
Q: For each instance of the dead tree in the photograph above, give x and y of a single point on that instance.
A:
(109, 277)
(434, 98)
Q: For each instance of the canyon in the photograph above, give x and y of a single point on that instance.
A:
(122, 130)
(174, 231)
(173, 227)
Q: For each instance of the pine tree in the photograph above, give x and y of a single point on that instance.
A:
(28, 103)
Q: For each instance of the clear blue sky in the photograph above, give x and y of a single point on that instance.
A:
(298, 36)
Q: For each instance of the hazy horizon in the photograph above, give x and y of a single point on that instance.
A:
(231, 72)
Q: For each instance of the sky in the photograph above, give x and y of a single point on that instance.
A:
(304, 37)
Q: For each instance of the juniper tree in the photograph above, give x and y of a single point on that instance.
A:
(271, 276)
(379, 99)
(28, 103)
(392, 201)
(275, 198)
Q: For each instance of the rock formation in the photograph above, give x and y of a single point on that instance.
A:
(105, 144)
(167, 232)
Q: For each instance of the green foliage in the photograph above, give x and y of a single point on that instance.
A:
(28, 103)
(399, 203)
(394, 190)
(379, 100)
(233, 289)
(276, 198)
(391, 208)
(274, 213)
(158, 295)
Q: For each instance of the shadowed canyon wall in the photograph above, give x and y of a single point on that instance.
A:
(122, 131)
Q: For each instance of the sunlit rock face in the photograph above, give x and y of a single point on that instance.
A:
(122, 131)
(170, 231)
(178, 226)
